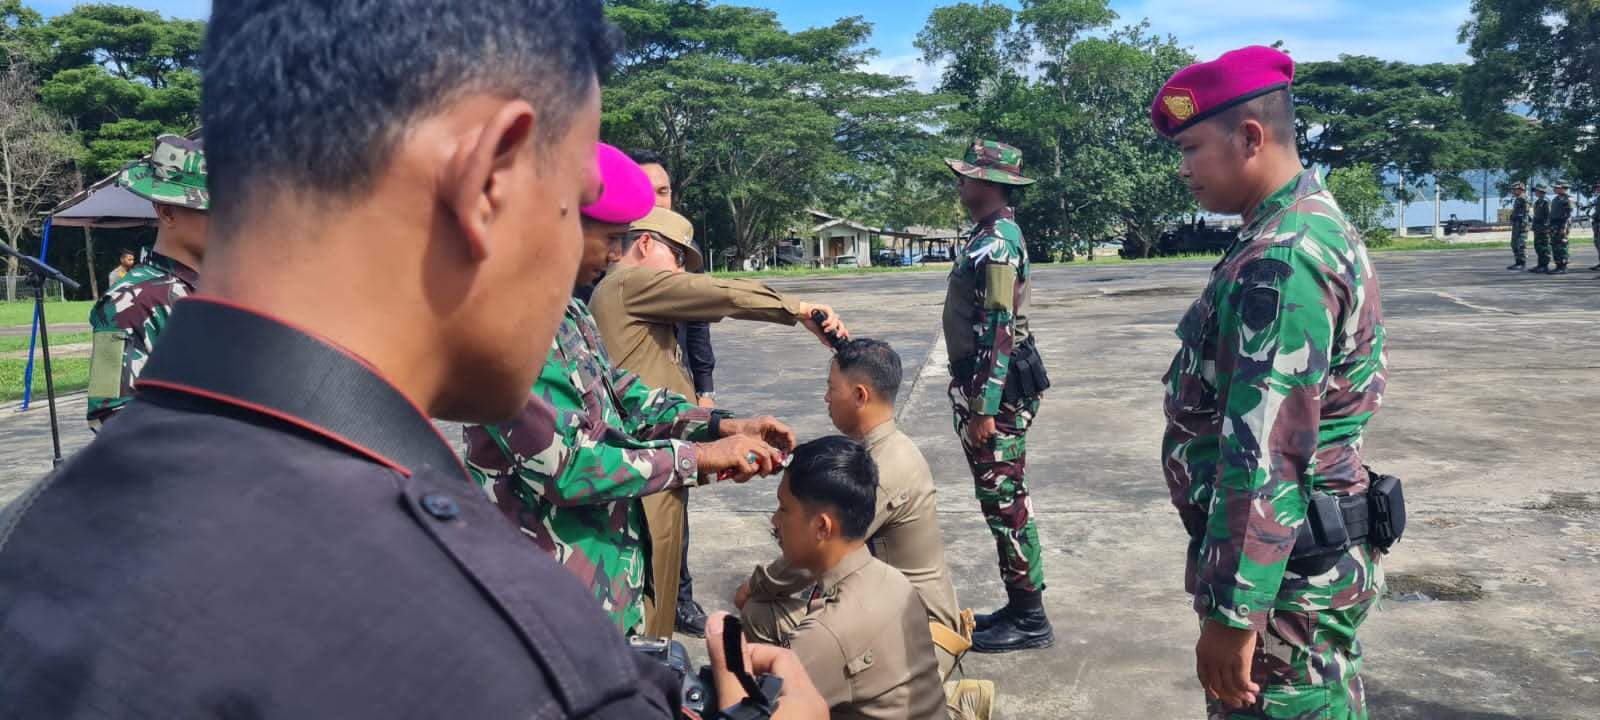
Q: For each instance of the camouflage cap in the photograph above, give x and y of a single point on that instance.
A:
(676, 230)
(1518, 186)
(1561, 185)
(173, 174)
(993, 161)
(1540, 188)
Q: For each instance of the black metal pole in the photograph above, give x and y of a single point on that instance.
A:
(49, 380)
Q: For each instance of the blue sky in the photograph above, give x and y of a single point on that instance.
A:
(1416, 31)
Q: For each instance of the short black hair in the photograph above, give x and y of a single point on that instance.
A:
(311, 96)
(646, 157)
(873, 361)
(129, 253)
(837, 474)
(1274, 110)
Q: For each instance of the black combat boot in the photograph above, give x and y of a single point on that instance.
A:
(1541, 270)
(1518, 265)
(691, 619)
(985, 621)
(1020, 625)
(1560, 270)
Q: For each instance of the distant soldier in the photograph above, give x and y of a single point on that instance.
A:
(128, 320)
(1541, 229)
(1281, 366)
(997, 378)
(1519, 227)
(125, 261)
(1560, 224)
(1594, 220)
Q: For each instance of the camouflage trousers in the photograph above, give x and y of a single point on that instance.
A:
(1541, 245)
(1308, 662)
(1519, 245)
(998, 473)
(1558, 246)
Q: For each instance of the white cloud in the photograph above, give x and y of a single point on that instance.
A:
(1311, 30)
(908, 65)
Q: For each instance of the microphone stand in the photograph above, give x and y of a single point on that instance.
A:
(42, 273)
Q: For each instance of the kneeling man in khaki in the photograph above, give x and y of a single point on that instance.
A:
(864, 640)
(863, 381)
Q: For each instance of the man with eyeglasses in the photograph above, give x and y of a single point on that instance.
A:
(637, 306)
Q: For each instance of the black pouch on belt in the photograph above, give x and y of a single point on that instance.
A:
(1325, 536)
(1387, 511)
(1026, 379)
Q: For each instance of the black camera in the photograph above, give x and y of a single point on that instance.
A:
(699, 700)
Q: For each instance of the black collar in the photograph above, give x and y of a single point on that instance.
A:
(227, 354)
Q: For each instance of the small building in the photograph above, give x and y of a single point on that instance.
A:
(829, 241)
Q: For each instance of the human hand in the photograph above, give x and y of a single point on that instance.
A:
(799, 699)
(742, 595)
(830, 323)
(980, 428)
(1223, 659)
(766, 427)
(738, 458)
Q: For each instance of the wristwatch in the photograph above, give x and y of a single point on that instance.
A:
(715, 426)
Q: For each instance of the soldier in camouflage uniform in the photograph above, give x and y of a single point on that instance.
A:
(1560, 225)
(1519, 227)
(1541, 229)
(1281, 366)
(986, 330)
(127, 320)
(592, 440)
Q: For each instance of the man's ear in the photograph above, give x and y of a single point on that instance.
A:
(1254, 135)
(479, 177)
(824, 526)
(861, 395)
(166, 215)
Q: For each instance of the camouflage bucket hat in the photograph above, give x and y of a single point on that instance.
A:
(1562, 185)
(173, 174)
(1518, 186)
(994, 161)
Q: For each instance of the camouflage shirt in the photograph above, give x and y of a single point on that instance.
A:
(1280, 369)
(127, 321)
(986, 307)
(570, 469)
(1519, 213)
(1541, 214)
(1560, 212)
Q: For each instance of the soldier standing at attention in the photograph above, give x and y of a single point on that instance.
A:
(1560, 224)
(1541, 229)
(1519, 227)
(1281, 366)
(997, 379)
(570, 469)
(128, 320)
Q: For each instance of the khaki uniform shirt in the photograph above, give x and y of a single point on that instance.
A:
(637, 309)
(904, 532)
(865, 644)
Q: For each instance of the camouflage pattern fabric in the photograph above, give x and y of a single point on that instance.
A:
(993, 161)
(1541, 230)
(1519, 230)
(1281, 366)
(569, 471)
(1560, 225)
(1308, 664)
(173, 174)
(986, 306)
(999, 475)
(127, 323)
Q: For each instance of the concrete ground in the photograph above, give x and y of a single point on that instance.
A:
(1494, 379)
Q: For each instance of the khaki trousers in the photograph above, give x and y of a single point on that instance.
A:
(663, 516)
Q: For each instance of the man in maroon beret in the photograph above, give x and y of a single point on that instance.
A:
(1281, 366)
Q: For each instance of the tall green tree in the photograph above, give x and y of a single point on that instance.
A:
(757, 123)
(1073, 95)
(121, 76)
(35, 163)
(1541, 57)
(1397, 117)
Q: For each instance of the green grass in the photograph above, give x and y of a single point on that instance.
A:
(70, 374)
(1399, 244)
(13, 314)
(19, 343)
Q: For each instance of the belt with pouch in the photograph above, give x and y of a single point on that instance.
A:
(1025, 379)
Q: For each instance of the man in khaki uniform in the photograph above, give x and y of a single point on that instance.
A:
(637, 307)
(863, 381)
(864, 640)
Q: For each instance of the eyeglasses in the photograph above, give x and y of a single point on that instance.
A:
(679, 255)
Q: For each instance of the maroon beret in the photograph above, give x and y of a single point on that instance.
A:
(1202, 90)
